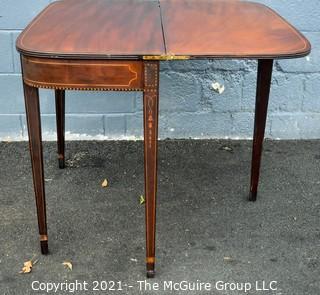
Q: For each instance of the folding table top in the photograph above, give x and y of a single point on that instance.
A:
(161, 29)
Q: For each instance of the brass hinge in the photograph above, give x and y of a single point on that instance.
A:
(166, 57)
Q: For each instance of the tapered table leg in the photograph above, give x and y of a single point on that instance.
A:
(151, 105)
(262, 98)
(60, 118)
(35, 143)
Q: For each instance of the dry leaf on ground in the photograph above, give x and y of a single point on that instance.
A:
(142, 200)
(27, 266)
(67, 264)
(104, 183)
(226, 148)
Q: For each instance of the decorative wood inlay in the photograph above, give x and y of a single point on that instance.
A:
(80, 89)
(117, 45)
(151, 95)
(43, 238)
(150, 259)
(151, 110)
(82, 74)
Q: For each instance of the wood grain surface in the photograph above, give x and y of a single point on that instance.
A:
(96, 29)
(110, 29)
(228, 28)
(82, 74)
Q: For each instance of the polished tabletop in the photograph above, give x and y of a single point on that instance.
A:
(107, 29)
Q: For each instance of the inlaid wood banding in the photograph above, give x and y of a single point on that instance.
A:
(82, 74)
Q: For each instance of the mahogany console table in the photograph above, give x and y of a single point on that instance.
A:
(117, 45)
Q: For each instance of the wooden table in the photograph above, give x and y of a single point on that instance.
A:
(117, 45)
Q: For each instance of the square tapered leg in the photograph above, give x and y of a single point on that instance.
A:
(262, 98)
(35, 143)
(60, 119)
(151, 105)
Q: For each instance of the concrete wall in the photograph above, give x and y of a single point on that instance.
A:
(188, 106)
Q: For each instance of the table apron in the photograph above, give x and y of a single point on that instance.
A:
(83, 74)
